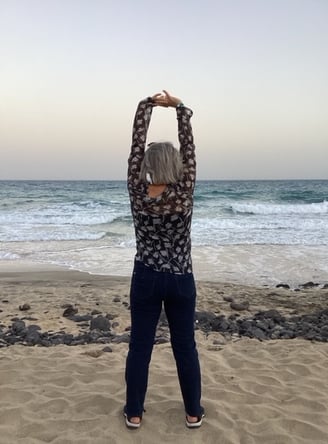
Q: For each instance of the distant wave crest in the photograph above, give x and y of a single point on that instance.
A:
(270, 208)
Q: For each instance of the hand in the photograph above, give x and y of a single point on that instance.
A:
(166, 100)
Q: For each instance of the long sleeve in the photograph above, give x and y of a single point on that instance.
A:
(187, 147)
(139, 137)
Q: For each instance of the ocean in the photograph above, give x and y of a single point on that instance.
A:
(252, 232)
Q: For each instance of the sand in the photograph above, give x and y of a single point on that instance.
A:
(253, 392)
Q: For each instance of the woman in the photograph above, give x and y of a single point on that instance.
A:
(161, 183)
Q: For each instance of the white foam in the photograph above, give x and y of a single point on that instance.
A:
(268, 208)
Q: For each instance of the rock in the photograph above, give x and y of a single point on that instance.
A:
(93, 353)
(220, 323)
(239, 306)
(325, 286)
(121, 338)
(18, 327)
(117, 299)
(100, 323)
(161, 340)
(286, 286)
(24, 307)
(107, 349)
(257, 333)
(228, 298)
(204, 317)
(95, 312)
(80, 318)
(309, 284)
(70, 311)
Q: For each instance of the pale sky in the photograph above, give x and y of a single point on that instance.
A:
(255, 73)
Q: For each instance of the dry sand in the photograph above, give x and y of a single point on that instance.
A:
(271, 392)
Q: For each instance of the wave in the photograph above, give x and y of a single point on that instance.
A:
(7, 256)
(283, 209)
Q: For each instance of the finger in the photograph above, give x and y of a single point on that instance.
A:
(166, 93)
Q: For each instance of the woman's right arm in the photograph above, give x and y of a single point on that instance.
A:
(187, 146)
(186, 138)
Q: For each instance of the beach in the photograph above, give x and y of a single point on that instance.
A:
(254, 391)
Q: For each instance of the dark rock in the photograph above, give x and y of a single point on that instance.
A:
(80, 318)
(115, 324)
(70, 311)
(287, 334)
(117, 299)
(33, 327)
(325, 286)
(18, 327)
(24, 307)
(95, 312)
(204, 317)
(110, 316)
(228, 298)
(107, 349)
(100, 323)
(33, 337)
(309, 284)
(239, 306)
(161, 340)
(5, 301)
(283, 286)
(220, 323)
(257, 333)
(271, 314)
(121, 338)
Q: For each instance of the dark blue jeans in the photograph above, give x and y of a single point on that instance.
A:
(149, 290)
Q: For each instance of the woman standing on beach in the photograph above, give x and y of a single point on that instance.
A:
(161, 183)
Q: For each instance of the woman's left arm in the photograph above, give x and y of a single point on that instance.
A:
(139, 137)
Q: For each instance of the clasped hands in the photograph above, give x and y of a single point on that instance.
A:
(165, 99)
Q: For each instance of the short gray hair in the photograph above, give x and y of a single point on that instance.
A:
(162, 162)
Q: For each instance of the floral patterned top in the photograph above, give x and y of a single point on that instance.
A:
(163, 223)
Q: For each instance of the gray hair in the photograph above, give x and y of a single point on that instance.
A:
(162, 162)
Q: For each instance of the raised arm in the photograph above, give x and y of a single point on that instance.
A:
(187, 146)
(139, 137)
(186, 139)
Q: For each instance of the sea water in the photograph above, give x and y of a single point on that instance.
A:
(253, 232)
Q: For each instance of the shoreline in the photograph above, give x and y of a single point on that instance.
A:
(252, 265)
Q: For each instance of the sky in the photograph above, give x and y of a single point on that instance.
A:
(254, 72)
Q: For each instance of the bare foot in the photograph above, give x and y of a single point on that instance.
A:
(135, 419)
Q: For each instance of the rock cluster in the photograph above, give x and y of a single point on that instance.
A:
(268, 324)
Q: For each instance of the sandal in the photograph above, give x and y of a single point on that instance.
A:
(196, 424)
(132, 425)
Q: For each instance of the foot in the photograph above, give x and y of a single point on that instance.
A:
(192, 419)
(132, 422)
(135, 419)
(195, 421)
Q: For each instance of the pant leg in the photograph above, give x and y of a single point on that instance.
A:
(179, 305)
(146, 305)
